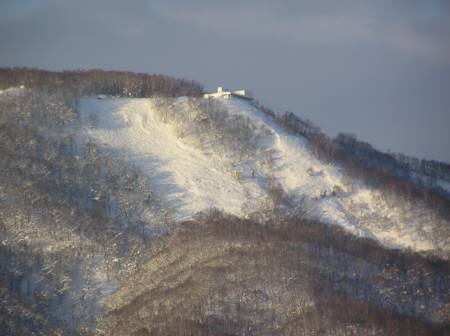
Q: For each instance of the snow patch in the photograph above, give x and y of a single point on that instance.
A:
(190, 180)
(186, 178)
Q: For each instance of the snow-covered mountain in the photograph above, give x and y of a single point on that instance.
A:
(179, 215)
(194, 168)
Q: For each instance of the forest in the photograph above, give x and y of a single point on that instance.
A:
(88, 248)
(93, 82)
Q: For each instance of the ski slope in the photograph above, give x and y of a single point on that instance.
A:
(358, 208)
(299, 172)
(189, 180)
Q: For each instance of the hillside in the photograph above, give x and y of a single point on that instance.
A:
(237, 158)
(131, 206)
(221, 275)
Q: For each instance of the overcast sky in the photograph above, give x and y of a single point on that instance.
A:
(378, 69)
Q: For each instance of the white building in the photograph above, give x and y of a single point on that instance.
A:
(244, 93)
(226, 94)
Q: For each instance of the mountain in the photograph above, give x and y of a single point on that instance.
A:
(131, 205)
(229, 154)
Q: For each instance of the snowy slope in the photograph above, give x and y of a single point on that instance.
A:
(359, 209)
(444, 184)
(299, 172)
(189, 180)
(12, 91)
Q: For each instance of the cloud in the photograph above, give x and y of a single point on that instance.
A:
(423, 31)
(248, 21)
(20, 9)
(427, 46)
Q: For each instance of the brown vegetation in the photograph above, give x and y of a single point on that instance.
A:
(224, 276)
(91, 82)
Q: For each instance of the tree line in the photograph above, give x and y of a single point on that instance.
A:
(96, 81)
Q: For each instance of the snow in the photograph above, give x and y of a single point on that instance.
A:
(189, 180)
(422, 179)
(293, 159)
(12, 91)
(444, 184)
(92, 281)
(359, 210)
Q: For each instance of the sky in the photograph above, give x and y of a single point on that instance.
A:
(377, 69)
